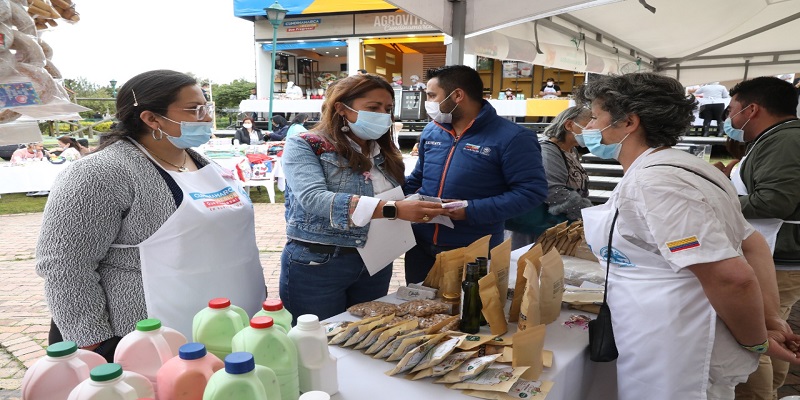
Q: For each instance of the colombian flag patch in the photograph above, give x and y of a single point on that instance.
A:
(683, 244)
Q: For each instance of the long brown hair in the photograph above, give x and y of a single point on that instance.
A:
(330, 125)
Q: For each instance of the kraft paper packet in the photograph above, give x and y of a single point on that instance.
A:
(364, 330)
(452, 267)
(533, 254)
(478, 248)
(415, 355)
(547, 358)
(468, 369)
(500, 264)
(351, 330)
(451, 362)
(528, 346)
(551, 286)
(451, 282)
(495, 379)
(390, 347)
(438, 353)
(492, 305)
(522, 389)
(407, 344)
(434, 277)
(392, 333)
(530, 311)
(333, 328)
(371, 338)
(472, 341)
(438, 327)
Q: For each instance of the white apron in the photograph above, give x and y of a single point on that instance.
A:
(206, 249)
(664, 326)
(768, 227)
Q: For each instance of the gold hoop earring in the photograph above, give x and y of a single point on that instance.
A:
(153, 134)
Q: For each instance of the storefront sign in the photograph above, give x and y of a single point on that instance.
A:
(393, 22)
(331, 26)
(302, 24)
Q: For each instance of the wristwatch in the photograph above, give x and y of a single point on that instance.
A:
(390, 210)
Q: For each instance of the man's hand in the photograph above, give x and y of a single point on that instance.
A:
(457, 215)
(783, 346)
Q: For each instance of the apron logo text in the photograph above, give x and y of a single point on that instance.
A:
(220, 199)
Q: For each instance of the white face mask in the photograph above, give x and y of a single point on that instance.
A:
(436, 114)
(247, 125)
(549, 83)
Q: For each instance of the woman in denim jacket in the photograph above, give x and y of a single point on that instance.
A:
(332, 173)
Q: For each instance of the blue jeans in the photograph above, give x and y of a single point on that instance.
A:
(326, 284)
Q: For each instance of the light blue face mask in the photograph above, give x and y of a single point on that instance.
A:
(370, 125)
(593, 137)
(579, 136)
(193, 134)
(736, 134)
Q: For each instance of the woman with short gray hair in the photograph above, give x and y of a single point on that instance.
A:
(567, 181)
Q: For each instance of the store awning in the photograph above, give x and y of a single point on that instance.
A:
(253, 8)
(304, 45)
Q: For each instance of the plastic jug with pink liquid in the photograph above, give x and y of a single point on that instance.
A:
(273, 349)
(64, 367)
(215, 326)
(185, 377)
(147, 348)
(273, 308)
(110, 382)
(242, 379)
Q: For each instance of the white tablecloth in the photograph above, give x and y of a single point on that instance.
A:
(31, 177)
(574, 376)
(282, 106)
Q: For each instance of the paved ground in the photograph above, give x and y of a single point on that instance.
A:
(25, 320)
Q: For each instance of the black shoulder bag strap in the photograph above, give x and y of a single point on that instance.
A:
(602, 346)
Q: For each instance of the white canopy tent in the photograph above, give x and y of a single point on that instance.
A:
(696, 41)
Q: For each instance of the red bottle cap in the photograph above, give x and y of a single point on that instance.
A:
(261, 322)
(272, 305)
(219, 302)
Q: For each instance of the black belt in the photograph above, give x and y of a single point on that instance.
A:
(325, 248)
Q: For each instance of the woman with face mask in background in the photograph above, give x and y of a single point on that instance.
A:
(567, 181)
(248, 133)
(333, 173)
(166, 229)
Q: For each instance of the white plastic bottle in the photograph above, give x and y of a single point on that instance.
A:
(110, 382)
(315, 395)
(316, 367)
(147, 348)
(54, 376)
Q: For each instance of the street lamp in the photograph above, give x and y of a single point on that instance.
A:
(275, 14)
(113, 83)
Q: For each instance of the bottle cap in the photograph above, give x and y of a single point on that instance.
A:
(261, 322)
(308, 322)
(219, 302)
(451, 296)
(147, 325)
(105, 372)
(315, 395)
(272, 305)
(239, 363)
(62, 349)
(192, 351)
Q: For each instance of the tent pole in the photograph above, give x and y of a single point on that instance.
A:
(455, 50)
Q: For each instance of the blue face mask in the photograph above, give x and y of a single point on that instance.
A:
(736, 134)
(593, 137)
(193, 134)
(579, 136)
(370, 125)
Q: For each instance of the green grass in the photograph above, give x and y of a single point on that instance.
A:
(18, 203)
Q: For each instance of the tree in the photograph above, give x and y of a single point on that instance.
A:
(81, 88)
(230, 95)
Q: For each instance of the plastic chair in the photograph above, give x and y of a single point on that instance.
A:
(268, 182)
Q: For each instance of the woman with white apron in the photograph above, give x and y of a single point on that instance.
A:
(159, 229)
(676, 236)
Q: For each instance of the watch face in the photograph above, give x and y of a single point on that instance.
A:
(389, 211)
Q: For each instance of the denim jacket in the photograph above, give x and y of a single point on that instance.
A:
(319, 188)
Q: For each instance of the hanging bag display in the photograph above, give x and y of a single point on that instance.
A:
(602, 347)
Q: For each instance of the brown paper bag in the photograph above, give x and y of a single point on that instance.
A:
(434, 277)
(492, 306)
(478, 248)
(551, 286)
(529, 312)
(500, 264)
(533, 254)
(528, 346)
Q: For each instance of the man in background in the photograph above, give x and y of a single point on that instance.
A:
(713, 105)
(470, 153)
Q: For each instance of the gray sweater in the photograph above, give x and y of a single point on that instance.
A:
(563, 197)
(114, 196)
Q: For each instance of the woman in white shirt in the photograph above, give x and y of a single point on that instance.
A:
(71, 149)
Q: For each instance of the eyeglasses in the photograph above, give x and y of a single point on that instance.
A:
(202, 110)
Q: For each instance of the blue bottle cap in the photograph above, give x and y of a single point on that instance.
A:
(239, 363)
(192, 351)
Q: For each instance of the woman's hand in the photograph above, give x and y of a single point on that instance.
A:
(418, 211)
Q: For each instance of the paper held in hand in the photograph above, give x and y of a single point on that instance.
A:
(387, 239)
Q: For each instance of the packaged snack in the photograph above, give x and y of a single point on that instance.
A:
(528, 346)
(530, 313)
(392, 346)
(421, 308)
(372, 337)
(333, 328)
(413, 357)
(449, 363)
(500, 265)
(365, 329)
(440, 323)
(534, 254)
(522, 389)
(469, 369)
(391, 334)
(351, 330)
(472, 341)
(407, 345)
(494, 378)
(492, 306)
(438, 353)
(551, 285)
(372, 309)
